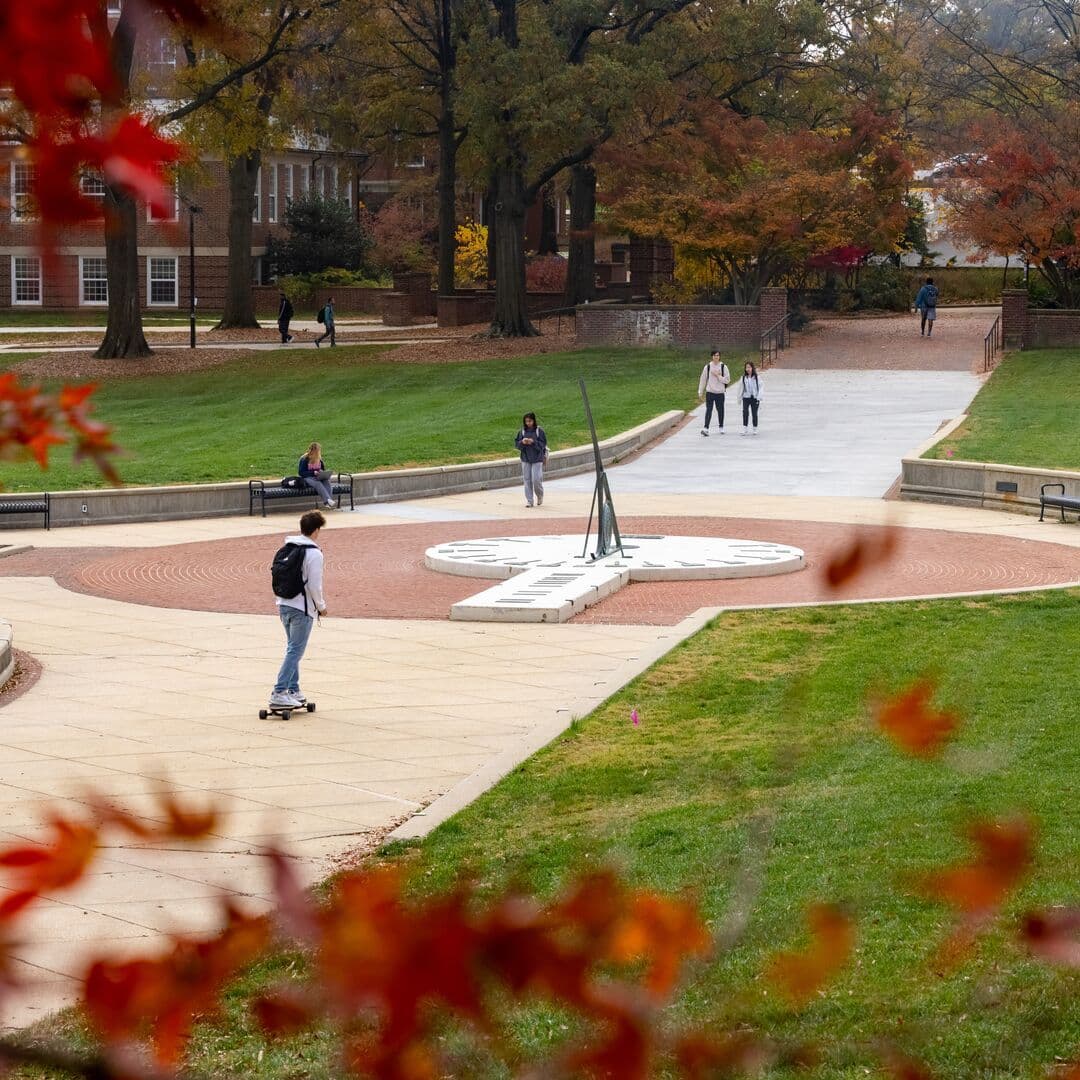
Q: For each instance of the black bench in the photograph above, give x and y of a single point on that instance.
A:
(259, 491)
(29, 504)
(1063, 502)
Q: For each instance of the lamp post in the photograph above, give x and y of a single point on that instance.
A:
(192, 211)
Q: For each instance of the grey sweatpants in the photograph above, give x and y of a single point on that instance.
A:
(532, 472)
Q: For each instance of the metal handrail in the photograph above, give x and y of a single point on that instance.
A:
(992, 345)
(773, 340)
(557, 311)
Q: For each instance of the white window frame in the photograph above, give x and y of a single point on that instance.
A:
(272, 195)
(419, 162)
(289, 184)
(337, 185)
(159, 47)
(321, 177)
(150, 301)
(95, 180)
(151, 220)
(305, 179)
(16, 192)
(83, 302)
(348, 193)
(257, 212)
(15, 301)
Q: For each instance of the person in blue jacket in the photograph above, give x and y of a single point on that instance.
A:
(315, 475)
(532, 444)
(926, 305)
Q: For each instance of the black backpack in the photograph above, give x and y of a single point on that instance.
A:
(321, 315)
(287, 572)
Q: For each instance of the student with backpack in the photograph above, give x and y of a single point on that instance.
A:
(749, 393)
(296, 576)
(712, 384)
(326, 317)
(926, 305)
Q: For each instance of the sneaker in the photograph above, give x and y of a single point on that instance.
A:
(284, 698)
(720, 432)
(299, 697)
(754, 431)
(329, 506)
(288, 339)
(316, 343)
(705, 432)
(745, 431)
(540, 501)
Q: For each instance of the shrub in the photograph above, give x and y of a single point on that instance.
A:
(402, 238)
(470, 255)
(884, 288)
(321, 233)
(545, 273)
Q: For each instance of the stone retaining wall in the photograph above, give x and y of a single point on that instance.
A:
(680, 324)
(108, 506)
(7, 652)
(980, 483)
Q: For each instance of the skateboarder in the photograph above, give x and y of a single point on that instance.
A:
(297, 572)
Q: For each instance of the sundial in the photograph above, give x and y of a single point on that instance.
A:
(553, 578)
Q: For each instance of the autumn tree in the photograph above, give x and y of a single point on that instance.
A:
(1020, 193)
(759, 202)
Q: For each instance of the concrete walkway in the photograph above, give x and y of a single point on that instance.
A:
(811, 423)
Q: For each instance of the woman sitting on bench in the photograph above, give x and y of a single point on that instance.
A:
(315, 476)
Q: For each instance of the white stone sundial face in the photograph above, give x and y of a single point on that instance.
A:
(547, 578)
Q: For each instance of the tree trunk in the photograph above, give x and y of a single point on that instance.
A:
(239, 300)
(581, 270)
(124, 331)
(447, 194)
(511, 312)
(489, 214)
(549, 222)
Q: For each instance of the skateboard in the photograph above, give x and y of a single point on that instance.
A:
(285, 711)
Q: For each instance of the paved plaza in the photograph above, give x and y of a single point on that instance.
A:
(158, 644)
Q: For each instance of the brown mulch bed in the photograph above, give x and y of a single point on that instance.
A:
(463, 345)
(27, 672)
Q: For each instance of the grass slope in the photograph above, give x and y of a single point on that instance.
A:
(256, 416)
(1024, 415)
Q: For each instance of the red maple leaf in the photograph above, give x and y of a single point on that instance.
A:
(909, 721)
(800, 975)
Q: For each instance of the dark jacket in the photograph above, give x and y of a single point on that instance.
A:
(285, 312)
(306, 469)
(534, 452)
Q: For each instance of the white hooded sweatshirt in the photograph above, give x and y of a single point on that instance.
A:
(313, 579)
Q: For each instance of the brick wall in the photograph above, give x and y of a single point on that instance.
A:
(1025, 327)
(621, 324)
(468, 307)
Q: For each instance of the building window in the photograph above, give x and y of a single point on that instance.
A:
(22, 191)
(25, 279)
(162, 58)
(113, 7)
(418, 162)
(257, 211)
(271, 195)
(161, 281)
(173, 214)
(347, 193)
(93, 282)
(289, 184)
(321, 178)
(92, 186)
(337, 186)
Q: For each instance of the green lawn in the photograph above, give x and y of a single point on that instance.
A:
(764, 712)
(1026, 414)
(256, 416)
(97, 317)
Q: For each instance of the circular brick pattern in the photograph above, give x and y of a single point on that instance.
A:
(379, 572)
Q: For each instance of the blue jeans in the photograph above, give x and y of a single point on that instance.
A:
(321, 486)
(297, 631)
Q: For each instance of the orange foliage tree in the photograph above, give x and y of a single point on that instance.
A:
(759, 202)
(1020, 193)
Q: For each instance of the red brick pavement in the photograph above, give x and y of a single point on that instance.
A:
(379, 572)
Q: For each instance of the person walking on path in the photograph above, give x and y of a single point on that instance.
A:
(712, 384)
(284, 317)
(315, 475)
(532, 443)
(301, 561)
(926, 305)
(750, 396)
(327, 320)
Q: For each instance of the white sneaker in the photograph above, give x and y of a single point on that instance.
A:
(720, 432)
(705, 432)
(745, 431)
(284, 698)
(753, 431)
